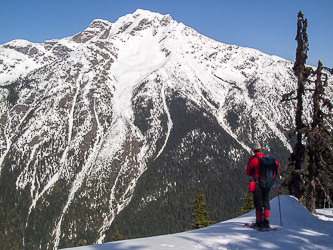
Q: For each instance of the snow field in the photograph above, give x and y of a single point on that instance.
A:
(300, 230)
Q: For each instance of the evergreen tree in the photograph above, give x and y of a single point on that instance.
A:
(81, 243)
(200, 214)
(320, 167)
(248, 206)
(314, 141)
(297, 157)
(117, 237)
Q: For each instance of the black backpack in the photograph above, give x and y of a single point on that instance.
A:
(267, 171)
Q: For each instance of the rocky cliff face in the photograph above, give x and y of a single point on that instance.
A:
(100, 129)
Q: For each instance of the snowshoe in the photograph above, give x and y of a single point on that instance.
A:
(260, 229)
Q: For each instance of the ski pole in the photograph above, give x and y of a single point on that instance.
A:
(279, 207)
(278, 190)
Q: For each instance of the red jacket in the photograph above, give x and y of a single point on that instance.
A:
(253, 166)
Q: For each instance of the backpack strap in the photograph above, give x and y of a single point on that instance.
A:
(259, 160)
(276, 169)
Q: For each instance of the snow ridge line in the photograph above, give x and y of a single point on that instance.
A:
(112, 209)
(116, 134)
(70, 124)
(170, 124)
(109, 219)
(55, 177)
(123, 200)
(79, 179)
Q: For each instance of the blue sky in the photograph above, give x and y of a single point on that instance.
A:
(266, 25)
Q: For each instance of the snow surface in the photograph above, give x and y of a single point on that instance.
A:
(300, 230)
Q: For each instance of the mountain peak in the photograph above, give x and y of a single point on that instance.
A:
(144, 12)
(100, 24)
(148, 13)
(138, 21)
(97, 27)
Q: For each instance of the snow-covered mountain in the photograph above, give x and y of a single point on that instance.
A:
(300, 230)
(100, 130)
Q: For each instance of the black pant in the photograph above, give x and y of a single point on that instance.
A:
(261, 198)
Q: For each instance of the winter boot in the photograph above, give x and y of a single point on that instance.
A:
(265, 223)
(257, 225)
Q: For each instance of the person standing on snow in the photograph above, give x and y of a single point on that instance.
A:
(260, 194)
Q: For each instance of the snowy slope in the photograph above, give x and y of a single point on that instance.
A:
(300, 230)
(20, 57)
